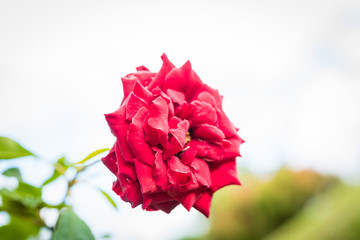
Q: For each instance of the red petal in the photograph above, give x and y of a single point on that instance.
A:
(160, 172)
(130, 191)
(197, 113)
(208, 132)
(189, 200)
(234, 148)
(136, 139)
(155, 198)
(142, 68)
(177, 137)
(110, 161)
(133, 106)
(223, 174)
(184, 80)
(144, 77)
(208, 151)
(119, 126)
(160, 76)
(225, 125)
(117, 187)
(157, 93)
(176, 96)
(124, 168)
(180, 176)
(210, 96)
(180, 132)
(202, 171)
(144, 174)
(203, 203)
(128, 84)
(142, 92)
(188, 155)
(157, 127)
(167, 206)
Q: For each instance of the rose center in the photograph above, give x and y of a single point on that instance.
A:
(187, 137)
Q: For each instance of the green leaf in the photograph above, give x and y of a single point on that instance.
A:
(93, 154)
(53, 177)
(19, 228)
(108, 198)
(70, 226)
(13, 172)
(11, 149)
(60, 167)
(24, 194)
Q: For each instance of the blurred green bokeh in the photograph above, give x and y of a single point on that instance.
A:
(290, 205)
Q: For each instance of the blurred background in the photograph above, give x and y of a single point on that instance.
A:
(289, 72)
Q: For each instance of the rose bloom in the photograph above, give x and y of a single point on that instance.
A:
(174, 143)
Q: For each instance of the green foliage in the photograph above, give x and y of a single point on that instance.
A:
(13, 172)
(111, 201)
(261, 206)
(60, 167)
(331, 216)
(70, 226)
(93, 154)
(24, 202)
(10, 149)
(19, 228)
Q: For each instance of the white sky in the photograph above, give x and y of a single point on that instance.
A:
(289, 72)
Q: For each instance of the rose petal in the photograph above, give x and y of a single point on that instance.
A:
(189, 200)
(173, 122)
(146, 180)
(155, 198)
(183, 79)
(208, 98)
(130, 191)
(124, 168)
(159, 78)
(136, 139)
(211, 96)
(156, 127)
(110, 161)
(144, 77)
(223, 173)
(118, 126)
(203, 203)
(188, 155)
(197, 113)
(225, 125)
(233, 150)
(208, 132)
(180, 176)
(116, 187)
(133, 106)
(176, 96)
(141, 92)
(208, 151)
(202, 171)
(167, 206)
(179, 133)
(128, 83)
(160, 172)
(157, 93)
(177, 137)
(142, 68)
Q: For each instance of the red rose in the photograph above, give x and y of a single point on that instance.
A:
(175, 145)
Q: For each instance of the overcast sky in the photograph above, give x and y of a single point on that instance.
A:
(289, 72)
